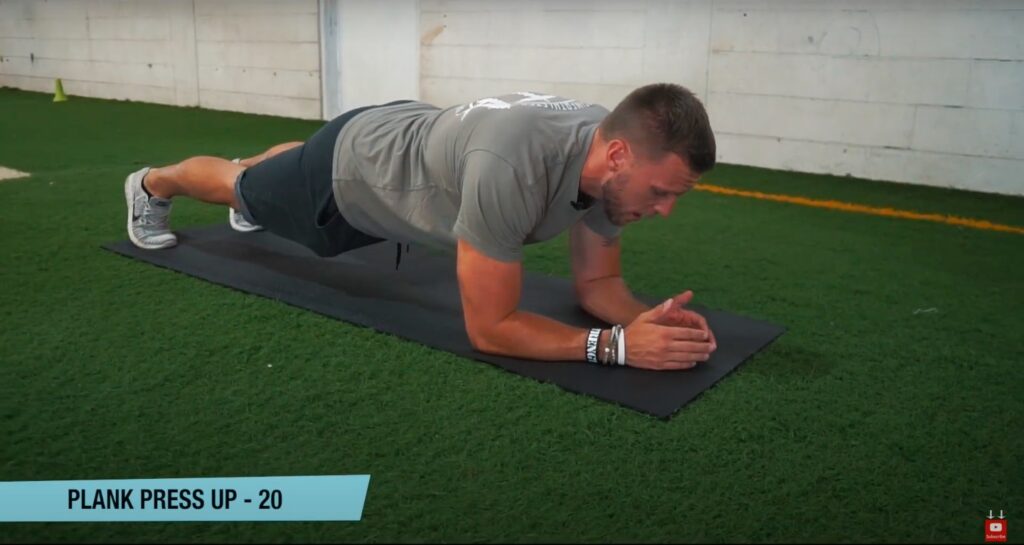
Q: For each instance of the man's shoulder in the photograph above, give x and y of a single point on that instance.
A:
(401, 107)
(526, 121)
(522, 104)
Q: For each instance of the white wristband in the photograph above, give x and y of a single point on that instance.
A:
(622, 346)
(592, 338)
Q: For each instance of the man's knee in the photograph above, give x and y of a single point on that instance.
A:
(281, 148)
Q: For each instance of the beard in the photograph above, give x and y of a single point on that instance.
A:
(611, 194)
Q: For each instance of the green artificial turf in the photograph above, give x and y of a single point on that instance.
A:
(869, 420)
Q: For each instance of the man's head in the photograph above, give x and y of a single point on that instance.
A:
(653, 148)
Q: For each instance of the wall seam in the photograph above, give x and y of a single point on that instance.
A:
(195, 50)
(707, 60)
(320, 57)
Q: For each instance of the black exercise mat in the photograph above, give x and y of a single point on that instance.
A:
(420, 302)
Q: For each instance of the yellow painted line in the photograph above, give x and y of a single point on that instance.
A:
(862, 209)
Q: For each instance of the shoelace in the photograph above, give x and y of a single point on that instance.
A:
(154, 217)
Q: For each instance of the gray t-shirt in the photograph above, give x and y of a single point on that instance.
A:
(498, 172)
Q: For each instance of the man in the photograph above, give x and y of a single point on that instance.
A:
(483, 179)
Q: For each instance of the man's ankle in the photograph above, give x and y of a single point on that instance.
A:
(147, 186)
(144, 188)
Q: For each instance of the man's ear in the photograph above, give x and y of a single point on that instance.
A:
(618, 155)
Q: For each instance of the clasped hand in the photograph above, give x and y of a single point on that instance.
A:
(669, 337)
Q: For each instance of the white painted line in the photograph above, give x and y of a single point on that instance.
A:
(10, 173)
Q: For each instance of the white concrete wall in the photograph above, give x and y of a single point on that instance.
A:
(250, 56)
(594, 50)
(371, 52)
(259, 56)
(925, 92)
(919, 91)
(122, 50)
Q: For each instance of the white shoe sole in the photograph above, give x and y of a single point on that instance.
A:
(231, 212)
(240, 228)
(131, 232)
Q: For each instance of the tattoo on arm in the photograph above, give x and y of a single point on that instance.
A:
(609, 242)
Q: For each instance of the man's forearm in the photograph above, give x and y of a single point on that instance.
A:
(532, 336)
(609, 299)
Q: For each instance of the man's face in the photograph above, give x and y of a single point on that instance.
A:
(641, 188)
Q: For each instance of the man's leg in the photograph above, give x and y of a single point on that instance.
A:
(250, 161)
(149, 193)
(236, 218)
(208, 179)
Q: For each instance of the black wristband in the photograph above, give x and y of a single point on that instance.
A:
(592, 339)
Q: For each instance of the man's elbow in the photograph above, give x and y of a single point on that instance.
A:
(476, 341)
(480, 338)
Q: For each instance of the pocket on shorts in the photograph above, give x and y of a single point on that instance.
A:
(326, 227)
(328, 214)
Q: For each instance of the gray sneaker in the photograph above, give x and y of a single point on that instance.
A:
(237, 220)
(147, 216)
(239, 223)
